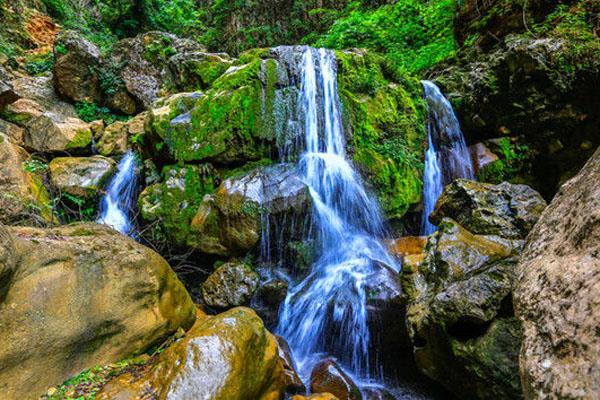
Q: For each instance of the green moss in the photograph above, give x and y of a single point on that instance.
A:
(82, 139)
(175, 201)
(388, 126)
(231, 123)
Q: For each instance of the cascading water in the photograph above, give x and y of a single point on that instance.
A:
(117, 204)
(327, 311)
(447, 157)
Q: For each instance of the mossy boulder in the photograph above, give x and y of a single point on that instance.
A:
(385, 114)
(505, 210)
(80, 176)
(175, 201)
(230, 356)
(460, 314)
(78, 296)
(228, 125)
(230, 285)
(23, 195)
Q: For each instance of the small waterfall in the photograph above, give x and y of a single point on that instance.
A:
(118, 203)
(447, 157)
(327, 311)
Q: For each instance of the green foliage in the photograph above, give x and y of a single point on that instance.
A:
(159, 50)
(514, 161)
(71, 208)
(35, 166)
(39, 64)
(110, 77)
(413, 34)
(89, 112)
(181, 17)
(89, 382)
(577, 25)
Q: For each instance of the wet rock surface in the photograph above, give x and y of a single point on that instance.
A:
(226, 357)
(556, 295)
(77, 296)
(328, 377)
(229, 222)
(505, 210)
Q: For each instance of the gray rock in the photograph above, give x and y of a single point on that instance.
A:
(556, 295)
(506, 210)
(459, 312)
(230, 285)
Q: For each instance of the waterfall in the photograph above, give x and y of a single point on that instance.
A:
(117, 204)
(326, 313)
(447, 157)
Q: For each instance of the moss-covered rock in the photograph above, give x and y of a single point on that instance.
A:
(227, 125)
(505, 210)
(175, 201)
(385, 113)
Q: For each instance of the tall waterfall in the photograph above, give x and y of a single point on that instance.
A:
(326, 312)
(117, 204)
(447, 157)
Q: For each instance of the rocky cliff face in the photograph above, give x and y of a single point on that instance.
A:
(556, 293)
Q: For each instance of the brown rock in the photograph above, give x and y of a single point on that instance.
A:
(328, 377)
(316, 396)
(76, 68)
(80, 176)
(51, 132)
(79, 296)
(22, 111)
(407, 246)
(230, 356)
(113, 140)
(557, 293)
(482, 156)
(22, 193)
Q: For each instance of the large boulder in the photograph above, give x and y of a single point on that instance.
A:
(80, 176)
(50, 132)
(230, 356)
(145, 62)
(459, 313)
(505, 210)
(230, 285)
(229, 222)
(23, 195)
(556, 295)
(77, 296)
(76, 68)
